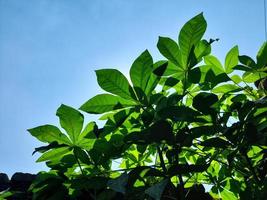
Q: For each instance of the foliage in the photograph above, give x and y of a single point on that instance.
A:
(182, 122)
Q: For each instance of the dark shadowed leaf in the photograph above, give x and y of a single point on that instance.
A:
(119, 184)
(156, 190)
(203, 102)
(215, 142)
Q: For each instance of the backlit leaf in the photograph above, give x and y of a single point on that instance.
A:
(113, 81)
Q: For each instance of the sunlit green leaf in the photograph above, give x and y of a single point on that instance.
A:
(49, 134)
(190, 34)
(113, 81)
(71, 120)
(231, 59)
(102, 103)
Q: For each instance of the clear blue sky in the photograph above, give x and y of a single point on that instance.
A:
(50, 49)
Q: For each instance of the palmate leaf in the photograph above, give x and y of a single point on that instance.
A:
(113, 81)
(140, 71)
(102, 103)
(190, 34)
(71, 120)
(49, 134)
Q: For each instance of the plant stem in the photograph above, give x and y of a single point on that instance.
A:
(252, 168)
(180, 177)
(79, 164)
(161, 160)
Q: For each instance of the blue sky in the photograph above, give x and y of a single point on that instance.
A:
(50, 49)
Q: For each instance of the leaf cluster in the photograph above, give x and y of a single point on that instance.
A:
(179, 123)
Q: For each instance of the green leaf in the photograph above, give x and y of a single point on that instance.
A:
(179, 113)
(141, 70)
(102, 103)
(54, 154)
(203, 102)
(251, 77)
(49, 134)
(203, 48)
(186, 168)
(71, 120)
(215, 64)
(119, 184)
(227, 88)
(190, 34)
(158, 70)
(156, 191)
(170, 50)
(262, 56)
(236, 79)
(247, 61)
(231, 59)
(113, 81)
(215, 142)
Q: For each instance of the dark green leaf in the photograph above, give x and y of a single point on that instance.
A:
(203, 102)
(215, 142)
(186, 168)
(157, 190)
(179, 113)
(119, 184)
(247, 61)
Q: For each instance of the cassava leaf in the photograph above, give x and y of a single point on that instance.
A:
(113, 81)
(102, 103)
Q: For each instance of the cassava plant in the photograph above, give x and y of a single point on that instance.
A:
(179, 126)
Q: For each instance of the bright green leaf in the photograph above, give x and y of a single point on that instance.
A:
(71, 120)
(227, 88)
(54, 154)
(102, 103)
(231, 59)
(141, 70)
(262, 56)
(190, 34)
(49, 134)
(113, 81)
